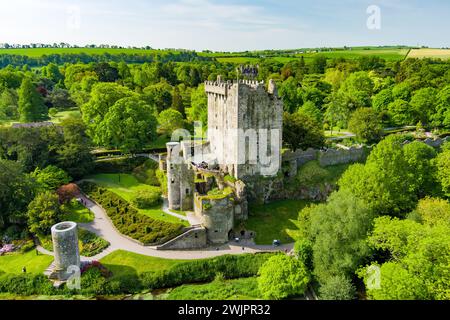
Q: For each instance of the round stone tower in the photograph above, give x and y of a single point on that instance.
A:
(65, 248)
(173, 175)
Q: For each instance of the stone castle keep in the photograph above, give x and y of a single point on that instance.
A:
(244, 140)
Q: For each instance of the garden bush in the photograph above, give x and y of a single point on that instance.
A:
(146, 173)
(145, 199)
(90, 243)
(119, 165)
(230, 266)
(26, 284)
(128, 220)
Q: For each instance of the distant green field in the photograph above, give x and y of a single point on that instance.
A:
(389, 54)
(38, 52)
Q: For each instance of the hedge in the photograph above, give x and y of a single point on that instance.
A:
(119, 165)
(231, 266)
(128, 220)
(93, 282)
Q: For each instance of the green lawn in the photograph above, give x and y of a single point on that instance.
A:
(237, 289)
(126, 185)
(13, 263)
(123, 262)
(60, 116)
(78, 213)
(276, 220)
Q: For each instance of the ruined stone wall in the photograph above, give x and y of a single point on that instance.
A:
(217, 216)
(65, 248)
(326, 158)
(180, 179)
(193, 238)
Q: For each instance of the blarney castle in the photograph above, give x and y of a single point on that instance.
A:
(209, 176)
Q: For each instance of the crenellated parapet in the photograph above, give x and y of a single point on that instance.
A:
(222, 88)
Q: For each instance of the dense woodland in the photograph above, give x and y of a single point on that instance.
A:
(391, 211)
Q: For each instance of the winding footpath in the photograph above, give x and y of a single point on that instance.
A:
(103, 227)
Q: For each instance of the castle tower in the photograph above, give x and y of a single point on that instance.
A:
(245, 127)
(180, 179)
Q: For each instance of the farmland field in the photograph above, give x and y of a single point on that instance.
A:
(389, 54)
(430, 53)
(38, 52)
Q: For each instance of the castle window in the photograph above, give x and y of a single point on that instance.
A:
(216, 231)
(187, 191)
(173, 181)
(196, 236)
(171, 166)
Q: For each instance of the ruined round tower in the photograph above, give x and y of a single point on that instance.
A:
(65, 248)
(173, 161)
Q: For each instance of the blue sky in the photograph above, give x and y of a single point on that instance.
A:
(228, 25)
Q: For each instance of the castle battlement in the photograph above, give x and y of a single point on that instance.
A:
(223, 87)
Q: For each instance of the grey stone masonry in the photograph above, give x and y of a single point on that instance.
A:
(65, 248)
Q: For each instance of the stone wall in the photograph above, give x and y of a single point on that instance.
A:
(216, 215)
(193, 238)
(436, 143)
(328, 157)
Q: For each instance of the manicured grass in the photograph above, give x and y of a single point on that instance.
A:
(276, 220)
(78, 213)
(122, 262)
(126, 187)
(60, 116)
(237, 289)
(13, 263)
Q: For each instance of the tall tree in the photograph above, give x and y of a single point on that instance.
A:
(31, 104)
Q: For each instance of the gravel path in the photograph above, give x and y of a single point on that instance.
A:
(103, 227)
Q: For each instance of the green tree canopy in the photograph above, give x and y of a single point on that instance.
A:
(366, 125)
(43, 212)
(129, 124)
(282, 276)
(170, 120)
(301, 132)
(31, 103)
(50, 178)
(16, 191)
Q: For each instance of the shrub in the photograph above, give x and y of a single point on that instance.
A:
(206, 270)
(146, 173)
(90, 243)
(162, 178)
(26, 284)
(303, 250)
(128, 220)
(282, 276)
(145, 199)
(67, 192)
(337, 288)
(120, 165)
